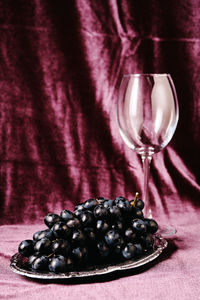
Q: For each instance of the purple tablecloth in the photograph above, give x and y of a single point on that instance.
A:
(174, 275)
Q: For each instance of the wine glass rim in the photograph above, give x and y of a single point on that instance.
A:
(146, 74)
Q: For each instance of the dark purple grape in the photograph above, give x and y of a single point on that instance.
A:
(114, 213)
(130, 235)
(40, 263)
(48, 233)
(58, 264)
(103, 249)
(118, 199)
(152, 225)
(129, 251)
(147, 241)
(118, 245)
(69, 264)
(112, 237)
(80, 254)
(26, 248)
(66, 215)
(43, 246)
(138, 226)
(118, 226)
(74, 223)
(38, 235)
(61, 246)
(90, 204)
(61, 230)
(124, 207)
(139, 249)
(138, 204)
(79, 207)
(102, 226)
(108, 203)
(51, 219)
(100, 212)
(90, 235)
(78, 212)
(32, 258)
(138, 213)
(78, 237)
(86, 218)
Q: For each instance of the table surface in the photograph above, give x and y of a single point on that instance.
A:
(174, 275)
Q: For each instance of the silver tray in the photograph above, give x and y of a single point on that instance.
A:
(18, 266)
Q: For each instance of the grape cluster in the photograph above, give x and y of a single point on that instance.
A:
(97, 231)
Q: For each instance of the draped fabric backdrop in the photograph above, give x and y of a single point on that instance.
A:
(61, 63)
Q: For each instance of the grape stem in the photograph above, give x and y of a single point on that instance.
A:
(135, 199)
(51, 254)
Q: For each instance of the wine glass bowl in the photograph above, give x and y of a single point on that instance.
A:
(147, 111)
(147, 115)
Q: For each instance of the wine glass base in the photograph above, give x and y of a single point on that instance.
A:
(166, 231)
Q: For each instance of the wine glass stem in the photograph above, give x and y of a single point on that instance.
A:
(146, 160)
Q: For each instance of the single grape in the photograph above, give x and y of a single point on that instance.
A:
(102, 226)
(152, 225)
(58, 264)
(61, 246)
(26, 248)
(130, 235)
(103, 249)
(108, 203)
(138, 213)
(139, 249)
(40, 263)
(61, 230)
(79, 207)
(66, 215)
(78, 237)
(90, 235)
(118, 245)
(114, 212)
(80, 254)
(100, 212)
(86, 218)
(124, 206)
(43, 246)
(112, 237)
(138, 226)
(118, 226)
(78, 212)
(129, 251)
(137, 204)
(74, 223)
(147, 241)
(69, 264)
(32, 258)
(48, 233)
(51, 219)
(117, 199)
(90, 204)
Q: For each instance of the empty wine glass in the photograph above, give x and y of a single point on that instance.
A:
(147, 114)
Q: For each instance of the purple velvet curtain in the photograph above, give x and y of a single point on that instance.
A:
(61, 63)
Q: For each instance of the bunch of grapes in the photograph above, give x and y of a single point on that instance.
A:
(97, 231)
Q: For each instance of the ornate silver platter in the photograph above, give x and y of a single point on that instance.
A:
(18, 265)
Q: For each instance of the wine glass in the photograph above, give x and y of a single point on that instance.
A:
(147, 115)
